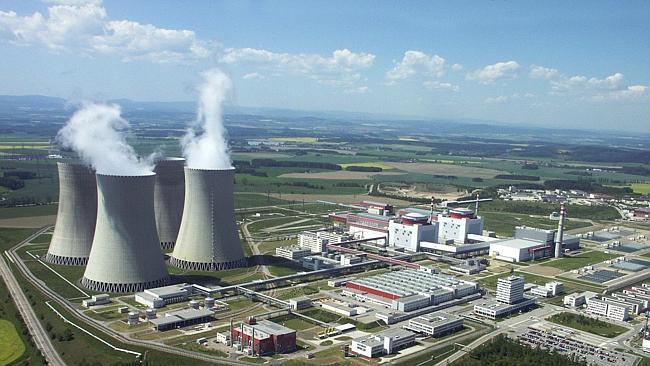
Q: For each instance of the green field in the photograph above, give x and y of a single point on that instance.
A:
(568, 263)
(11, 346)
(595, 326)
(504, 223)
(642, 188)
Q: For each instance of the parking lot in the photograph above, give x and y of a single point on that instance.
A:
(564, 344)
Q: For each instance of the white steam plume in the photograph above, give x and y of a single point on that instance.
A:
(95, 133)
(204, 144)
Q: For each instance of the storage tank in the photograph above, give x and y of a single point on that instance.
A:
(76, 216)
(150, 314)
(133, 318)
(125, 254)
(208, 239)
(194, 304)
(169, 194)
(209, 302)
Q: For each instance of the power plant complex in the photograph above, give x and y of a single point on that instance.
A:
(77, 213)
(208, 239)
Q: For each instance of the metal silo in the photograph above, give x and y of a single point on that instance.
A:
(125, 255)
(208, 239)
(76, 216)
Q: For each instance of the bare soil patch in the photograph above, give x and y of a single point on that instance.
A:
(28, 222)
(447, 169)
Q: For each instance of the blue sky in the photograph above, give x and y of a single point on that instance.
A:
(580, 64)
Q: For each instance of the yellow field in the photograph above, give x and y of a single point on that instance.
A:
(294, 139)
(407, 138)
(374, 164)
(643, 188)
(11, 346)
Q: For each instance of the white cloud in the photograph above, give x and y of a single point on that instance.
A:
(632, 92)
(72, 2)
(456, 67)
(341, 69)
(252, 75)
(491, 73)
(417, 63)
(437, 85)
(359, 90)
(82, 26)
(541, 72)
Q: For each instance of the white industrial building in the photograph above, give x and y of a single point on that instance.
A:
(609, 309)
(96, 300)
(292, 252)
(509, 299)
(383, 343)
(435, 324)
(519, 250)
(549, 290)
(457, 224)
(316, 241)
(158, 297)
(408, 231)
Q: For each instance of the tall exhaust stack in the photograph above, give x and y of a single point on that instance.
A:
(169, 194)
(125, 254)
(560, 232)
(208, 239)
(75, 220)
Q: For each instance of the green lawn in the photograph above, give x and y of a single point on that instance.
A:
(595, 326)
(11, 237)
(11, 346)
(504, 223)
(279, 270)
(568, 263)
(293, 322)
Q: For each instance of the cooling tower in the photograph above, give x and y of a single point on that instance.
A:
(208, 238)
(125, 255)
(75, 220)
(169, 193)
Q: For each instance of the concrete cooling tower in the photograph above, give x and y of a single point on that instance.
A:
(75, 220)
(169, 193)
(208, 238)
(125, 255)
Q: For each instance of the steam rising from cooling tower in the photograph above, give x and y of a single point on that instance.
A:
(95, 133)
(205, 145)
(208, 239)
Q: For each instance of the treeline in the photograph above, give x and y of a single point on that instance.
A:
(516, 177)
(503, 351)
(12, 183)
(258, 163)
(359, 168)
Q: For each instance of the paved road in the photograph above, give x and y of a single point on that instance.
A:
(38, 333)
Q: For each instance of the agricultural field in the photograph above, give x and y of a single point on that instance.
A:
(11, 346)
(642, 188)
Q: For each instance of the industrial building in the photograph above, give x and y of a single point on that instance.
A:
(610, 309)
(208, 239)
(95, 300)
(509, 299)
(531, 244)
(125, 254)
(292, 252)
(158, 297)
(410, 289)
(76, 217)
(551, 289)
(382, 343)
(409, 230)
(316, 241)
(366, 225)
(457, 224)
(578, 298)
(263, 337)
(435, 324)
(169, 196)
(342, 308)
(642, 213)
(182, 318)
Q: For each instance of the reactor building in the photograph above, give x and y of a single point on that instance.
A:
(75, 220)
(125, 254)
(208, 239)
(169, 194)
